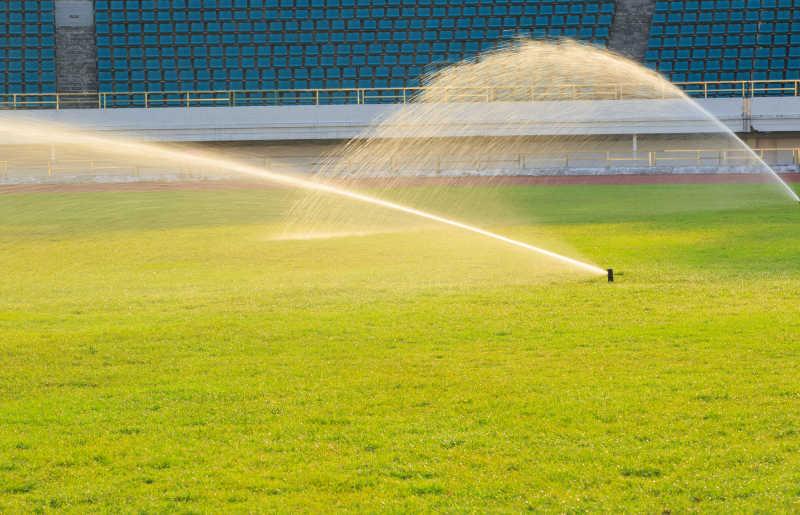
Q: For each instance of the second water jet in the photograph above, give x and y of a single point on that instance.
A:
(543, 98)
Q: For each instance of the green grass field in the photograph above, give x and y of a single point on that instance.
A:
(161, 352)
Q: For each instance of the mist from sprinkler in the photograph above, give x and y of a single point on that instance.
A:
(514, 75)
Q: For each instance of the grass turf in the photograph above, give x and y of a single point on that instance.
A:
(160, 352)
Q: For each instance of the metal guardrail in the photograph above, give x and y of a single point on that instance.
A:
(359, 96)
(777, 156)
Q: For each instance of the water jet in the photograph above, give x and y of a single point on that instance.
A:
(137, 151)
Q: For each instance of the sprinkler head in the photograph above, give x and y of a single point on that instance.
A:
(610, 272)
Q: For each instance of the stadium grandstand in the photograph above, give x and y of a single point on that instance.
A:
(82, 62)
(125, 48)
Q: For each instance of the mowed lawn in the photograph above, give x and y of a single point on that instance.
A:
(162, 351)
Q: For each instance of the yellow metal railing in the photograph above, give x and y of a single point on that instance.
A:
(358, 96)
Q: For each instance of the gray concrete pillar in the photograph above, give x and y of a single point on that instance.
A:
(76, 48)
(631, 27)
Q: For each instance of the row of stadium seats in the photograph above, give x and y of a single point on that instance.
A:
(27, 6)
(733, 89)
(259, 4)
(349, 72)
(44, 32)
(150, 38)
(329, 8)
(202, 63)
(376, 13)
(717, 53)
(352, 25)
(475, 36)
(656, 42)
(19, 18)
(723, 5)
(27, 53)
(748, 18)
(27, 47)
(731, 65)
(28, 66)
(734, 29)
(374, 51)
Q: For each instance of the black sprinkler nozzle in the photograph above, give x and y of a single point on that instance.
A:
(610, 275)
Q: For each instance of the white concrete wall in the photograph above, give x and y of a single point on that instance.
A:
(778, 114)
(347, 121)
(285, 123)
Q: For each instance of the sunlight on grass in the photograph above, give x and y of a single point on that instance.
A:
(161, 348)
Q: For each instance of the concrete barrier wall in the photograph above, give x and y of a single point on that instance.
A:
(775, 114)
(347, 121)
